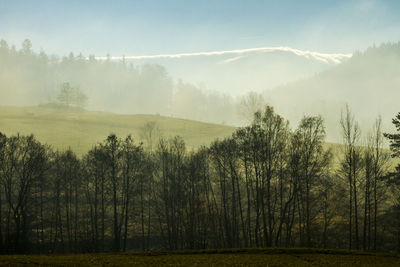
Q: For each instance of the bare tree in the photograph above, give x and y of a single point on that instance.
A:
(314, 162)
(25, 161)
(150, 132)
(249, 105)
(380, 167)
(350, 168)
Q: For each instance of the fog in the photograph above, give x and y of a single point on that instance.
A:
(369, 83)
(213, 87)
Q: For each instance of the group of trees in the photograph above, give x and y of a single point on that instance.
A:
(72, 96)
(30, 78)
(365, 169)
(266, 185)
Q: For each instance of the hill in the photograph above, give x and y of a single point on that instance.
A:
(80, 129)
(238, 71)
(369, 82)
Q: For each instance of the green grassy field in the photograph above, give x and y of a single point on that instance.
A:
(233, 257)
(80, 130)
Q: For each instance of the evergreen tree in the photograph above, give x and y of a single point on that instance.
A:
(395, 138)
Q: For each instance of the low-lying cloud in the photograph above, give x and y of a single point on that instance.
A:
(323, 57)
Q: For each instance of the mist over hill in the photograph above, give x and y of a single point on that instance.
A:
(369, 83)
(236, 72)
(29, 78)
(209, 87)
(200, 86)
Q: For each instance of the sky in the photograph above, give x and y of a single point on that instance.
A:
(140, 28)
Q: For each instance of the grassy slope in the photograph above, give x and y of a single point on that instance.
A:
(233, 257)
(80, 130)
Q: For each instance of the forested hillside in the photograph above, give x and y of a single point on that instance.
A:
(28, 78)
(369, 82)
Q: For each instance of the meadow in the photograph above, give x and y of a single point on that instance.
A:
(223, 257)
(80, 130)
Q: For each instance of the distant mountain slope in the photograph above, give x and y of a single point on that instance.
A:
(369, 82)
(82, 130)
(238, 71)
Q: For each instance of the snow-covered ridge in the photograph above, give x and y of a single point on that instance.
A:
(323, 57)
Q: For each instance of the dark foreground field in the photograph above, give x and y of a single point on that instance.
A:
(236, 257)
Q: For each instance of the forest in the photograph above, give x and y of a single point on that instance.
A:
(265, 186)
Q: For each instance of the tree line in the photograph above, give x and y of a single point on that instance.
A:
(264, 186)
(32, 78)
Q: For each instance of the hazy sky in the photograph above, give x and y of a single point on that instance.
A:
(161, 27)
